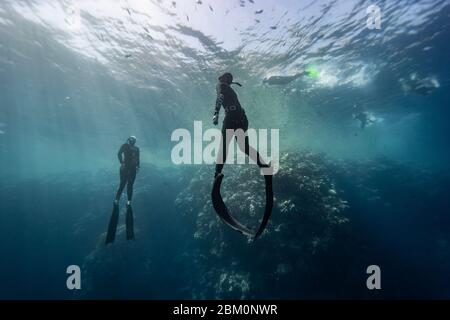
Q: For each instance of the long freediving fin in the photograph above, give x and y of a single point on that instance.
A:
(269, 205)
(112, 226)
(225, 215)
(129, 222)
(222, 210)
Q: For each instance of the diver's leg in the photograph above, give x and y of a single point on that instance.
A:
(223, 150)
(123, 182)
(244, 145)
(251, 152)
(130, 180)
(222, 154)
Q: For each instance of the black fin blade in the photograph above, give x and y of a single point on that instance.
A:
(129, 222)
(112, 226)
(222, 210)
(269, 205)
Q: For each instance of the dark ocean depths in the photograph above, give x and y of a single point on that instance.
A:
(364, 148)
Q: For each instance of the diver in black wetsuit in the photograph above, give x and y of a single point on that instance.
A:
(129, 164)
(235, 118)
(128, 156)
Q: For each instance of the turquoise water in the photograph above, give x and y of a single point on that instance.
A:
(77, 78)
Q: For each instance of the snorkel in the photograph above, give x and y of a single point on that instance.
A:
(227, 78)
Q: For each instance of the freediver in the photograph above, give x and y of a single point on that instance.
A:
(362, 116)
(363, 119)
(421, 86)
(129, 158)
(284, 80)
(236, 120)
(281, 80)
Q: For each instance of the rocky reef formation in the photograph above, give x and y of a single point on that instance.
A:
(331, 219)
(309, 212)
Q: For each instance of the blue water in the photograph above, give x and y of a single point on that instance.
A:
(77, 79)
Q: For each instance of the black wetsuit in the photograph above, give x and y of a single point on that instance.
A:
(129, 158)
(235, 118)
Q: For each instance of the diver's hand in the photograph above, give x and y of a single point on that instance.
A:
(216, 119)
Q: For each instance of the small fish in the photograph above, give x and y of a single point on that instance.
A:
(211, 8)
(174, 4)
(187, 17)
(259, 11)
(129, 11)
(257, 21)
(273, 27)
(128, 56)
(199, 2)
(251, 1)
(146, 30)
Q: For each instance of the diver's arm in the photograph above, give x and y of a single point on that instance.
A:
(219, 102)
(138, 158)
(119, 154)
